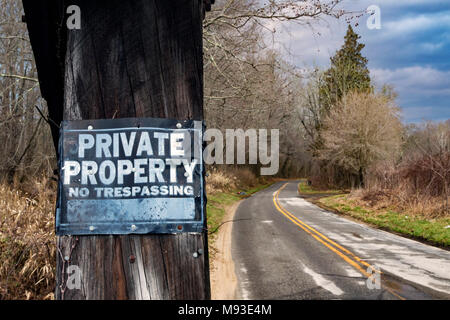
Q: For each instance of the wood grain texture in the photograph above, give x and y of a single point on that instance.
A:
(46, 27)
(135, 58)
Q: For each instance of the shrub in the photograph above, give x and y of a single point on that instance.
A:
(27, 242)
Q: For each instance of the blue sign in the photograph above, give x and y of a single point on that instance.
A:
(130, 176)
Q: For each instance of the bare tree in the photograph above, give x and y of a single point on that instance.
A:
(24, 146)
(247, 82)
(426, 160)
(362, 129)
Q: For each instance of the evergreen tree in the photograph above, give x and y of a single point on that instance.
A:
(348, 72)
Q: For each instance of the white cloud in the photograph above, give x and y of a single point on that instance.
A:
(311, 44)
(416, 114)
(389, 4)
(416, 86)
(396, 4)
(432, 47)
(417, 23)
(418, 79)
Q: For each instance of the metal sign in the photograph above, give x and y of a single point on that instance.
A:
(130, 175)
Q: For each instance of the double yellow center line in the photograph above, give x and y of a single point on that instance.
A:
(342, 252)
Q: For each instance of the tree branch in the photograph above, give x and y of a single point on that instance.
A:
(15, 76)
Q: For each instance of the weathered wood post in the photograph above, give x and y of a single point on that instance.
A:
(135, 58)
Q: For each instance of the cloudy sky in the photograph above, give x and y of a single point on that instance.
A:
(411, 51)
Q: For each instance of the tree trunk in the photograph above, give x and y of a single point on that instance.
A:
(361, 178)
(135, 58)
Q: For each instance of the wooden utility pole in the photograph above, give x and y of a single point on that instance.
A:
(135, 58)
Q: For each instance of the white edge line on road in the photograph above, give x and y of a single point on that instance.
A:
(323, 282)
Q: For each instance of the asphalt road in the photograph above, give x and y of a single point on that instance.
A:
(284, 247)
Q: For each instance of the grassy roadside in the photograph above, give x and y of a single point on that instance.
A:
(433, 231)
(219, 201)
(306, 189)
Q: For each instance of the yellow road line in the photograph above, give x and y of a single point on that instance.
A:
(350, 261)
(323, 236)
(326, 241)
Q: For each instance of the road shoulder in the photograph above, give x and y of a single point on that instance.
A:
(223, 276)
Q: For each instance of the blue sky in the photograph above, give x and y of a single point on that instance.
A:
(411, 51)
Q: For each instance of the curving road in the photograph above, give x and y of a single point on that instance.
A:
(284, 247)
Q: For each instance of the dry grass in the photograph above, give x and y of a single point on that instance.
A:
(219, 181)
(228, 179)
(27, 241)
(400, 199)
(419, 185)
